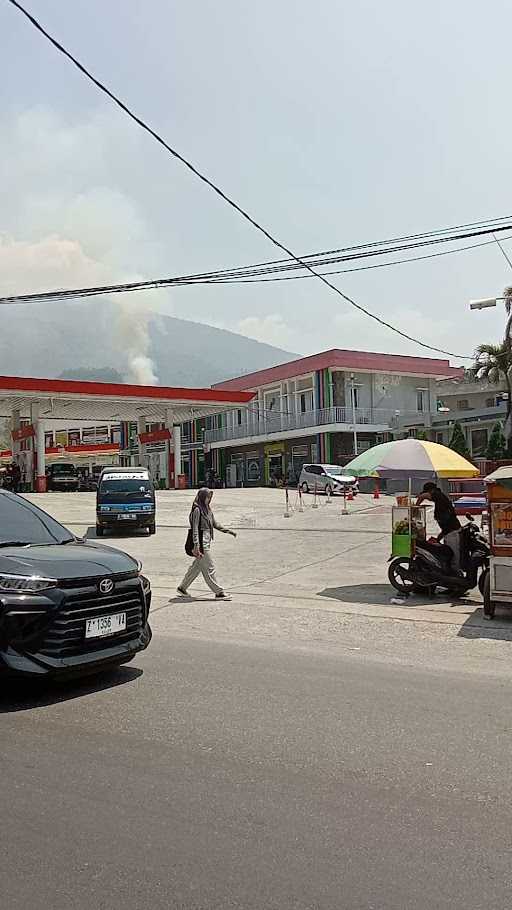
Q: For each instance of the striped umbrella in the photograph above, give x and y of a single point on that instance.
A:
(416, 458)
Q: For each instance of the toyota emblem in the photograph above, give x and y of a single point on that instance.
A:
(106, 586)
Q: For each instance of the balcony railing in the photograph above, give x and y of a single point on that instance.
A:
(252, 426)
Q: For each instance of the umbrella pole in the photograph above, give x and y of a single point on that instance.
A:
(410, 514)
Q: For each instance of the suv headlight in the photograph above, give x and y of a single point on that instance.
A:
(139, 567)
(23, 584)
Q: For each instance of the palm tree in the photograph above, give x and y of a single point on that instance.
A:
(507, 294)
(493, 362)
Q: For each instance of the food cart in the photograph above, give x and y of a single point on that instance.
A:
(409, 524)
(497, 582)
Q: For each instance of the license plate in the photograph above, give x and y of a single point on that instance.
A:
(126, 517)
(105, 625)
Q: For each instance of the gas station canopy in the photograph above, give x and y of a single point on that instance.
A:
(59, 399)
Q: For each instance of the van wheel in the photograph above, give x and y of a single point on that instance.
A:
(99, 531)
(152, 529)
(304, 487)
(328, 490)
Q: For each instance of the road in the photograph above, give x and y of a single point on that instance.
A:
(211, 775)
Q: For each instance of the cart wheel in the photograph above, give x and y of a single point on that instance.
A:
(489, 607)
(398, 574)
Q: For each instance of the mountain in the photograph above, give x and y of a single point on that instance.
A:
(100, 339)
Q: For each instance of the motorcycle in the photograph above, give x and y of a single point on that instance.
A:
(430, 567)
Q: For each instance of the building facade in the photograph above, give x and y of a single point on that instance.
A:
(477, 406)
(315, 409)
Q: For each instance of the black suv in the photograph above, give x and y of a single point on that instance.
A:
(66, 606)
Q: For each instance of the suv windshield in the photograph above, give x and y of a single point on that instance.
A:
(24, 523)
(63, 469)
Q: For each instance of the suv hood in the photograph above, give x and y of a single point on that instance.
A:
(72, 560)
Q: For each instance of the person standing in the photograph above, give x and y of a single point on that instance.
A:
(203, 525)
(446, 517)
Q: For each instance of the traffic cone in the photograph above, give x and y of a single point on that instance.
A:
(350, 495)
(376, 492)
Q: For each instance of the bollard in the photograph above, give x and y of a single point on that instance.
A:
(376, 492)
(301, 503)
(287, 510)
(344, 510)
(328, 495)
(315, 501)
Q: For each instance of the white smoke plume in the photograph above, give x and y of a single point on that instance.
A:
(70, 226)
(132, 334)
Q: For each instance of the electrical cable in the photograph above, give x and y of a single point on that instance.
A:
(219, 192)
(213, 278)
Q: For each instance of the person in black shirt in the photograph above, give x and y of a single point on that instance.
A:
(446, 517)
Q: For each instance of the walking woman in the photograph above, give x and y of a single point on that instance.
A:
(203, 525)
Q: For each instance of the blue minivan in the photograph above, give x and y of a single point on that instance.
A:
(125, 500)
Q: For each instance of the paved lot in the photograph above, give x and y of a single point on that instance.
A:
(307, 746)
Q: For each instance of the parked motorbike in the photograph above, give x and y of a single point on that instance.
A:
(430, 567)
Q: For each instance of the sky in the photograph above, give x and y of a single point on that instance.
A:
(333, 123)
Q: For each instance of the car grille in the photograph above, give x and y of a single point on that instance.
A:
(66, 635)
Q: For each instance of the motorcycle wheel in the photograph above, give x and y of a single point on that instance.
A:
(397, 574)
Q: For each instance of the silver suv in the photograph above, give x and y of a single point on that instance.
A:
(326, 478)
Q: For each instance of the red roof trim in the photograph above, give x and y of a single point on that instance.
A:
(341, 359)
(117, 390)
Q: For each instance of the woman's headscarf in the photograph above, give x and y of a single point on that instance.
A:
(202, 502)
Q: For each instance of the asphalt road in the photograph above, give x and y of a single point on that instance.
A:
(213, 775)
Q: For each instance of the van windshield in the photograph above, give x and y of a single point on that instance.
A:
(126, 486)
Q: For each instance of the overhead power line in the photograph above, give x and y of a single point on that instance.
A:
(225, 276)
(219, 192)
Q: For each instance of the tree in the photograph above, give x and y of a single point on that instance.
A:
(497, 445)
(493, 362)
(458, 441)
(421, 434)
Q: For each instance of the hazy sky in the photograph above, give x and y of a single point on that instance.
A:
(334, 123)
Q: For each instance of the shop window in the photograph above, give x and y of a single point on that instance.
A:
(463, 404)
(489, 402)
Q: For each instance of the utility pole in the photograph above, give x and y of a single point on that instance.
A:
(353, 397)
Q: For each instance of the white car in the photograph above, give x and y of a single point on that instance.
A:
(327, 478)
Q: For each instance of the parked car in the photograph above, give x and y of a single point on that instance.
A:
(67, 606)
(62, 477)
(125, 499)
(327, 478)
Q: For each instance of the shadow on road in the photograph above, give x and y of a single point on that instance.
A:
(381, 594)
(498, 629)
(24, 695)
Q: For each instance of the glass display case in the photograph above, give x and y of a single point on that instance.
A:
(409, 523)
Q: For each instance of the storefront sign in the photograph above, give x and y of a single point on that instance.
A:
(74, 437)
(25, 432)
(61, 438)
(274, 448)
(154, 436)
(501, 523)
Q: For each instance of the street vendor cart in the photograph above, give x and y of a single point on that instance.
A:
(497, 582)
(409, 524)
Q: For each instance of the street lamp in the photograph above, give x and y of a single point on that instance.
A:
(484, 303)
